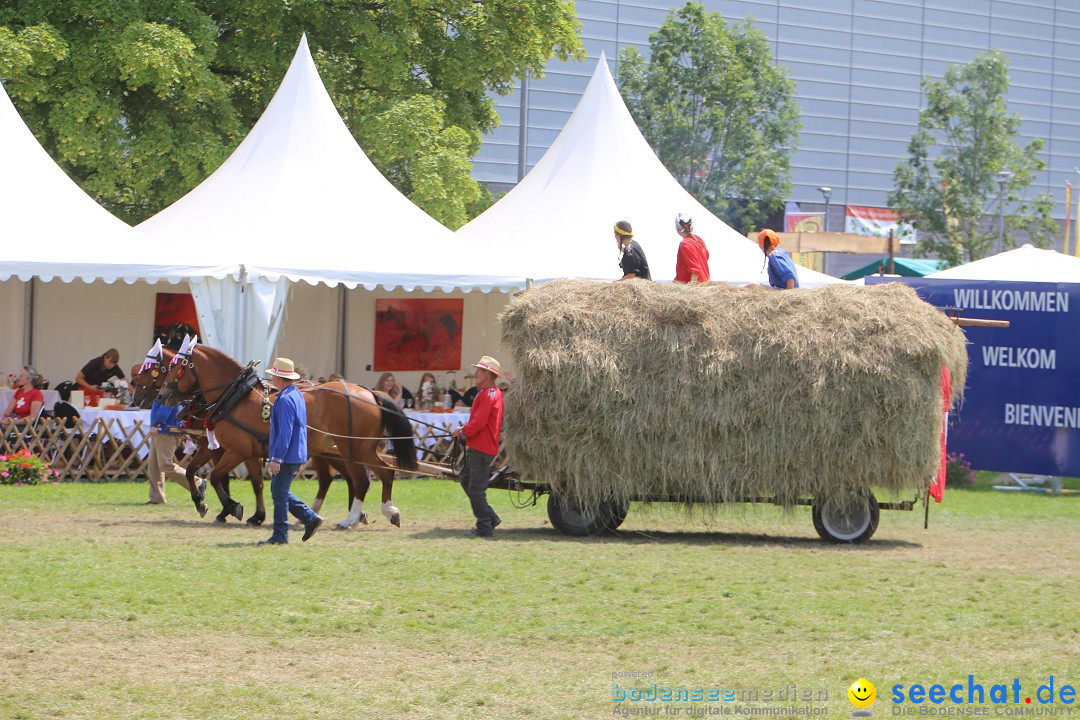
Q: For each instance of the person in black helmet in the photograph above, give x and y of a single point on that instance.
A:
(631, 256)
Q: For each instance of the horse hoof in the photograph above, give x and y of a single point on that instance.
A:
(238, 511)
(395, 519)
(202, 510)
(363, 519)
(220, 520)
(256, 519)
(341, 526)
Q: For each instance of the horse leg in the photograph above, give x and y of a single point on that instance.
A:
(219, 477)
(322, 470)
(386, 476)
(205, 454)
(359, 482)
(255, 474)
(223, 516)
(198, 494)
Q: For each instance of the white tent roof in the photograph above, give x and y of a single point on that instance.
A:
(1024, 264)
(299, 198)
(52, 229)
(557, 222)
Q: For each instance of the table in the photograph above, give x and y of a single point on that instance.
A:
(433, 429)
(50, 396)
(123, 426)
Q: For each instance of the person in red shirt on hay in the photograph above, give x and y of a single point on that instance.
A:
(692, 262)
(481, 435)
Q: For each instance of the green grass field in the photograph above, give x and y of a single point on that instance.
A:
(113, 609)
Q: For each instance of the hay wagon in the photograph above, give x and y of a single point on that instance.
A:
(849, 519)
(713, 394)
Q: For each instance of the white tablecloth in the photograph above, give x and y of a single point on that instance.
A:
(50, 396)
(443, 423)
(120, 425)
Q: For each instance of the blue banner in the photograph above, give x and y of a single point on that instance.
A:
(1021, 407)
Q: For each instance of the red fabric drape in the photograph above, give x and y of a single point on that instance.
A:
(937, 490)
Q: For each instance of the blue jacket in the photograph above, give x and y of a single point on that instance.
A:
(781, 269)
(162, 416)
(288, 427)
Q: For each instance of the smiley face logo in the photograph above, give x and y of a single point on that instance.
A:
(862, 695)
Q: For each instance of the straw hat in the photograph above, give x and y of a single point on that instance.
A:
(284, 368)
(490, 364)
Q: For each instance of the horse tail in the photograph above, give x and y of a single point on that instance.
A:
(395, 423)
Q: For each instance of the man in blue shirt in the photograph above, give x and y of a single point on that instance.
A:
(163, 441)
(288, 451)
(782, 273)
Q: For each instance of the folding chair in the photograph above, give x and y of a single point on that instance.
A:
(1027, 481)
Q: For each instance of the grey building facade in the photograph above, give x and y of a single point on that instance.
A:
(857, 65)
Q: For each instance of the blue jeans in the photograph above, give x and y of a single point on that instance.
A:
(285, 502)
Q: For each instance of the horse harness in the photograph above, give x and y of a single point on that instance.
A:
(232, 393)
(237, 389)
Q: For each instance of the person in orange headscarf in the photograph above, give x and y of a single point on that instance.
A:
(782, 275)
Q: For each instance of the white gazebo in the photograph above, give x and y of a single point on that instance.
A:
(1024, 264)
(557, 222)
(298, 200)
(52, 230)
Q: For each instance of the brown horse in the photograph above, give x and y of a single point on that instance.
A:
(147, 383)
(346, 425)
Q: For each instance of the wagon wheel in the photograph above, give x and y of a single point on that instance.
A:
(849, 518)
(569, 517)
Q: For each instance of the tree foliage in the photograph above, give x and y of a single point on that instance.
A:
(139, 101)
(948, 186)
(719, 113)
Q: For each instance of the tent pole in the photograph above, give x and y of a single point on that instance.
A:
(28, 322)
(523, 129)
(241, 318)
(342, 314)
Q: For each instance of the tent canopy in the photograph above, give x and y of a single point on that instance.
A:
(298, 198)
(557, 222)
(52, 229)
(904, 267)
(1024, 264)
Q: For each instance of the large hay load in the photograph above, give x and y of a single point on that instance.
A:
(712, 393)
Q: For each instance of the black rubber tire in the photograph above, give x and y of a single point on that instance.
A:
(851, 520)
(569, 518)
(617, 514)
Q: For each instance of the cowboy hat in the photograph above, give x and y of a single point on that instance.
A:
(488, 363)
(283, 368)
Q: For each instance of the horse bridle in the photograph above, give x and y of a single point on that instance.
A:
(186, 362)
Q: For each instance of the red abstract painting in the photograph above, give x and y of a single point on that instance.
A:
(418, 334)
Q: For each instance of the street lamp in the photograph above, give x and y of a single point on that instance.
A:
(827, 192)
(1003, 178)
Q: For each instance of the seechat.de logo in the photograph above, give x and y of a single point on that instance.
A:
(862, 695)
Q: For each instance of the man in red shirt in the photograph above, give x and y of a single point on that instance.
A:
(481, 435)
(692, 262)
(28, 399)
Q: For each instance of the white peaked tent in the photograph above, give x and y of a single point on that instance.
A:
(299, 200)
(1024, 264)
(52, 229)
(557, 222)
